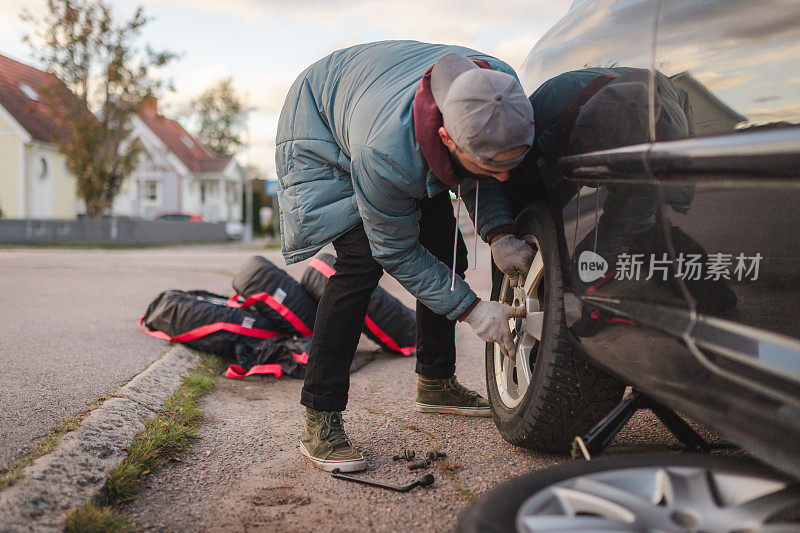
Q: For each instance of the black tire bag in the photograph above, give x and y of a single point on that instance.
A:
(272, 356)
(276, 296)
(202, 321)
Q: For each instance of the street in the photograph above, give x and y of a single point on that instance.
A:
(70, 325)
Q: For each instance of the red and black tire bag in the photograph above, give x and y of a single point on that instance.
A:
(388, 323)
(203, 321)
(276, 296)
(272, 356)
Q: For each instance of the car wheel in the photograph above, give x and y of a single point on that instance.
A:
(548, 394)
(633, 493)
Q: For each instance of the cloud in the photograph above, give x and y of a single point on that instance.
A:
(12, 8)
(716, 82)
(464, 22)
(400, 17)
(514, 50)
(789, 113)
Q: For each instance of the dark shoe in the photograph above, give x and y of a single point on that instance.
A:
(326, 444)
(449, 396)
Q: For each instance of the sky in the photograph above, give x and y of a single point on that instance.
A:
(264, 44)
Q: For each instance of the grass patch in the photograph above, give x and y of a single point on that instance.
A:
(13, 473)
(92, 518)
(166, 435)
(450, 469)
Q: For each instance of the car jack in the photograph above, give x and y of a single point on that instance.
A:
(596, 440)
(424, 481)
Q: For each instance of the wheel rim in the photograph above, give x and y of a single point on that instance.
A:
(660, 499)
(514, 377)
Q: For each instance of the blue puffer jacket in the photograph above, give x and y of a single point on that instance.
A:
(347, 153)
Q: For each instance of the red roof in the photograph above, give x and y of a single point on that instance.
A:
(189, 150)
(36, 116)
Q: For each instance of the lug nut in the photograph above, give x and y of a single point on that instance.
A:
(405, 455)
(419, 464)
(435, 456)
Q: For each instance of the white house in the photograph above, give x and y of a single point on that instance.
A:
(34, 179)
(712, 116)
(177, 174)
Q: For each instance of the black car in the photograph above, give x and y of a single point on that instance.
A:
(663, 199)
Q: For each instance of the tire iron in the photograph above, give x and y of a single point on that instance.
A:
(424, 481)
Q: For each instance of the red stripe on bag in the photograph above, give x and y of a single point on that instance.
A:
(301, 358)
(281, 309)
(322, 267)
(386, 339)
(237, 372)
(208, 329)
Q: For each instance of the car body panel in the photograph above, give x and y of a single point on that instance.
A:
(584, 37)
(183, 217)
(723, 348)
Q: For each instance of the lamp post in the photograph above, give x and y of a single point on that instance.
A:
(247, 234)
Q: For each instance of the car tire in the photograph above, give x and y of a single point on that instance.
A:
(617, 488)
(565, 394)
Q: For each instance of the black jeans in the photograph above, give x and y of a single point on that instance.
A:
(343, 306)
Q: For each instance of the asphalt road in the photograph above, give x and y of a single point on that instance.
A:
(70, 324)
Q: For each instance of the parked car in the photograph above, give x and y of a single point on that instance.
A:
(666, 219)
(234, 230)
(186, 217)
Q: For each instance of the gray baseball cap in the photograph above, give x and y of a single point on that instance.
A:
(485, 111)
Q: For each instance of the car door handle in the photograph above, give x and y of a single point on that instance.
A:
(773, 154)
(627, 163)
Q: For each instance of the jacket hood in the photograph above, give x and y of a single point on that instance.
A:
(427, 121)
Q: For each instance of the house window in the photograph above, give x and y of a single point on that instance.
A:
(44, 168)
(208, 191)
(151, 192)
(29, 92)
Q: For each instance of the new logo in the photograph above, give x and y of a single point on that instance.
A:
(591, 266)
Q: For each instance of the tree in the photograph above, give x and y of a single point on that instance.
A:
(102, 68)
(220, 117)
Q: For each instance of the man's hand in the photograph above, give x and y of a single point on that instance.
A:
(513, 256)
(490, 319)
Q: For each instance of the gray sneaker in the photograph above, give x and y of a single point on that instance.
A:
(326, 444)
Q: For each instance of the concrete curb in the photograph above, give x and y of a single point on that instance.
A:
(76, 470)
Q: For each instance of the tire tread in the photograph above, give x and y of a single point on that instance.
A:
(571, 394)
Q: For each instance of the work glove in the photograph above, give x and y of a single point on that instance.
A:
(489, 321)
(513, 256)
